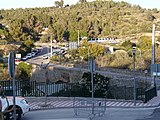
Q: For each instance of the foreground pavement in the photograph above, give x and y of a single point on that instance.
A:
(53, 103)
(37, 103)
(110, 114)
(63, 109)
(154, 116)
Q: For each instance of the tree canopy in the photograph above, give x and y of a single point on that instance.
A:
(93, 19)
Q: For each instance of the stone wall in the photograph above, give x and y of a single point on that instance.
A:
(73, 75)
(55, 74)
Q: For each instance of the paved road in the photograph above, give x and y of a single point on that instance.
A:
(110, 114)
(61, 103)
(38, 58)
(154, 116)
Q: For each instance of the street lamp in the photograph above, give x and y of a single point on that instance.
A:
(153, 51)
(146, 72)
(134, 69)
(140, 52)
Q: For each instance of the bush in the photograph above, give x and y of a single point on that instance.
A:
(119, 59)
(84, 89)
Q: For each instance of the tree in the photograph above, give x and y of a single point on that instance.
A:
(26, 46)
(121, 59)
(66, 35)
(101, 84)
(59, 4)
(150, 17)
(90, 50)
(8, 48)
(82, 1)
(127, 44)
(97, 19)
(145, 43)
(23, 71)
(73, 36)
(4, 72)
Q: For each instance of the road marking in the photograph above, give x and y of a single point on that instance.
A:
(68, 103)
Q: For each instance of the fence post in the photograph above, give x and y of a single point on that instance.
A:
(125, 92)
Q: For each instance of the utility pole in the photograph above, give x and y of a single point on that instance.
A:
(153, 51)
(153, 56)
(11, 70)
(134, 70)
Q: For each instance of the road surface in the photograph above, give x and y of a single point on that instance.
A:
(154, 116)
(110, 114)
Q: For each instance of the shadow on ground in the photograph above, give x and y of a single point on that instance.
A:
(154, 116)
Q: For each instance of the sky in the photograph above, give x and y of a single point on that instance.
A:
(8, 4)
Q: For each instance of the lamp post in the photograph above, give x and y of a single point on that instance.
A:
(11, 70)
(134, 69)
(140, 52)
(146, 72)
(153, 51)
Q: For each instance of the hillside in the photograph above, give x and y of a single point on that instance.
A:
(93, 19)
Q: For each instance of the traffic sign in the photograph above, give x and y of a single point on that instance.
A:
(11, 64)
(92, 65)
(11, 69)
(155, 69)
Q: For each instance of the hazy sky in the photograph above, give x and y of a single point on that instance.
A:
(7, 4)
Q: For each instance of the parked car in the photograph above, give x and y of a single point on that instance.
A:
(35, 51)
(33, 54)
(22, 107)
(29, 55)
(46, 56)
(56, 51)
(21, 104)
(24, 58)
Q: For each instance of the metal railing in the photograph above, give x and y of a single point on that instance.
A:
(150, 93)
(36, 89)
(33, 88)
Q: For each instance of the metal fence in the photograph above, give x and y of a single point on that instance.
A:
(36, 89)
(150, 93)
(123, 92)
(33, 88)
